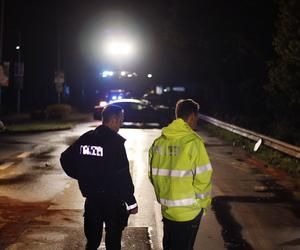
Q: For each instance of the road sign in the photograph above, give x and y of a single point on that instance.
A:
(59, 80)
(4, 74)
(59, 77)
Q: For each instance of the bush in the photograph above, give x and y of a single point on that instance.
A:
(2, 127)
(58, 111)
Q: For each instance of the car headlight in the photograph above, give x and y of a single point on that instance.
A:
(102, 104)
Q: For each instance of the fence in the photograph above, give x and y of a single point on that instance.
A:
(268, 141)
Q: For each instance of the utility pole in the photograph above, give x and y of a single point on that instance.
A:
(18, 48)
(58, 60)
(1, 44)
(59, 75)
(58, 47)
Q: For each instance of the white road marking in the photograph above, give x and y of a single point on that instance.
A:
(23, 155)
(6, 165)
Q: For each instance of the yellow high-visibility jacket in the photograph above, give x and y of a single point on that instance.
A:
(180, 171)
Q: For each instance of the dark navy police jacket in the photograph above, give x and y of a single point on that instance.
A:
(99, 162)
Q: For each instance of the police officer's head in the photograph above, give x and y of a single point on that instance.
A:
(112, 117)
(187, 109)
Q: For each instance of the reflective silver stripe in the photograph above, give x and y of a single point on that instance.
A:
(177, 203)
(168, 172)
(202, 169)
(203, 196)
(132, 206)
(180, 173)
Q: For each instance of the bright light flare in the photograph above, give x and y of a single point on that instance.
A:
(102, 103)
(119, 48)
(116, 39)
(107, 74)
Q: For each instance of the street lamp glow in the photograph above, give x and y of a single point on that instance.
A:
(149, 75)
(17, 47)
(119, 48)
(107, 73)
(123, 73)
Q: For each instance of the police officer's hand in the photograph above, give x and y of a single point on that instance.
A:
(134, 210)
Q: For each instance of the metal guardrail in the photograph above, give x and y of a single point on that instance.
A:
(273, 143)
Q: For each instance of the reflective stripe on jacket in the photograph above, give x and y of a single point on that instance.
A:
(180, 172)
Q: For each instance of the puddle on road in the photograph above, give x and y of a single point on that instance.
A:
(13, 141)
(15, 215)
(231, 229)
(32, 225)
(41, 156)
(42, 152)
(13, 178)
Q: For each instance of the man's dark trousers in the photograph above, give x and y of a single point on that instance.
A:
(110, 210)
(180, 235)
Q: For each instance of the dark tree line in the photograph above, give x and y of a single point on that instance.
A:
(284, 74)
(243, 59)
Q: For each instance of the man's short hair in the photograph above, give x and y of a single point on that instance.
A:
(109, 112)
(186, 107)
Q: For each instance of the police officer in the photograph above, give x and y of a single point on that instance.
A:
(99, 162)
(180, 172)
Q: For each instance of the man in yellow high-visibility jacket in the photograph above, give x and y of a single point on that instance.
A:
(180, 172)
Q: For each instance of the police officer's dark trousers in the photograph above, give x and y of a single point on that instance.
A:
(180, 235)
(104, 209)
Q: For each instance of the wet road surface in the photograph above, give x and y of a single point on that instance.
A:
(41, 208)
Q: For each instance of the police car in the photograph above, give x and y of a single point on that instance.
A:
(137, 111)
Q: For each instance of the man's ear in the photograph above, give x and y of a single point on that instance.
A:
(114, 120)
(189, 118)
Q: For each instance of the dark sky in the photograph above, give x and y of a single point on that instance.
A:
(183, 41)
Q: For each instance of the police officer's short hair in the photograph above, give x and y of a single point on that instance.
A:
(185, 107)
(109, 112)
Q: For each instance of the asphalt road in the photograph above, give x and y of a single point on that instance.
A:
(41, 208)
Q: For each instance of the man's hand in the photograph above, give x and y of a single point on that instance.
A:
(133, 211)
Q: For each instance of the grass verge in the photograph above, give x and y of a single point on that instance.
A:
(270, 157)
(24, 124)
(38, 127)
